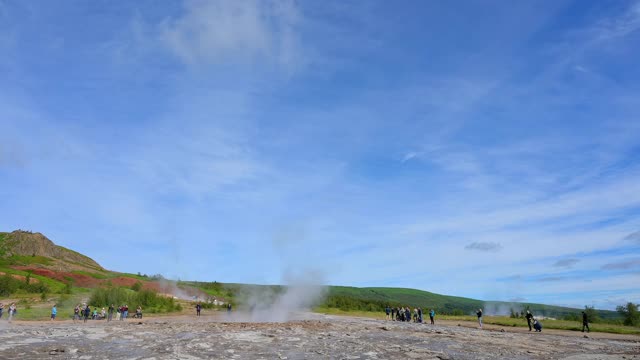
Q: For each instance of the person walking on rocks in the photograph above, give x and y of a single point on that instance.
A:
(387, 310)
(432, 316)
(393, 313)
(407, 314)
(529, 318)
(585, 321)
(54, 312)
(479, 314)
(76, 313)
(198, 309)
(420, 315)
(1, 309)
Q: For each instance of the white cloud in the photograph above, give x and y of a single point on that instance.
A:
(211, 32)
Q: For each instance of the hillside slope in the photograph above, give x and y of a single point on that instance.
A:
(24, 243)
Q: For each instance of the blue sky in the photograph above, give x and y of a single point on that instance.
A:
(481, 148)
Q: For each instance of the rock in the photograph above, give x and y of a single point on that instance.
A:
(384, 328)
(586, 337)
(501, 330)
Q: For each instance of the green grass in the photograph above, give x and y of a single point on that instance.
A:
(549, 324)
(55, 286)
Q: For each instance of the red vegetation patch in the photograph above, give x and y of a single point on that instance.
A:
(79, 280)
(82, 280)
(129, 282)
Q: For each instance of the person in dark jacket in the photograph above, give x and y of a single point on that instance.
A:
(87, 313)
(479, 314)
(585, 321)
(529, 318)
(537, 325)
(407, 314)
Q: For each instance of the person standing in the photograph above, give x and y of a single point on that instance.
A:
(479, 314)
(110, 313)
(76, 313)
(125, 313)
(54, 312)
(87, 313)
(420, 315)
(198, 309)
(407, 314)
(1, 309)
(585, 321)
(139, 312)
(387, 310)
(432, 316)
(529, 318)
(12, 311)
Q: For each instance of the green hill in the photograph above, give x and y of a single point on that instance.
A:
(377, 298)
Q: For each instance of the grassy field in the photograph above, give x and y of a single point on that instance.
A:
(499, 320)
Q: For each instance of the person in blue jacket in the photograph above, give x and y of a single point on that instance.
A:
(432, 316)
(54, 312)
(537, 325)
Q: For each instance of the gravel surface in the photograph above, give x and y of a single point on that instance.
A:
(313, 336)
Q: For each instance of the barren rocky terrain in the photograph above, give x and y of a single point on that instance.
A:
(311, 336)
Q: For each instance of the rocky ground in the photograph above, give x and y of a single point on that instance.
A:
(313, 336)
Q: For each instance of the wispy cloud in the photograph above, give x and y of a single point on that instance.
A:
(622, 265)
(566, 263)
(484, 246)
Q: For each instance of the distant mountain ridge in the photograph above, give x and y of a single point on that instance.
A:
(26, 243)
